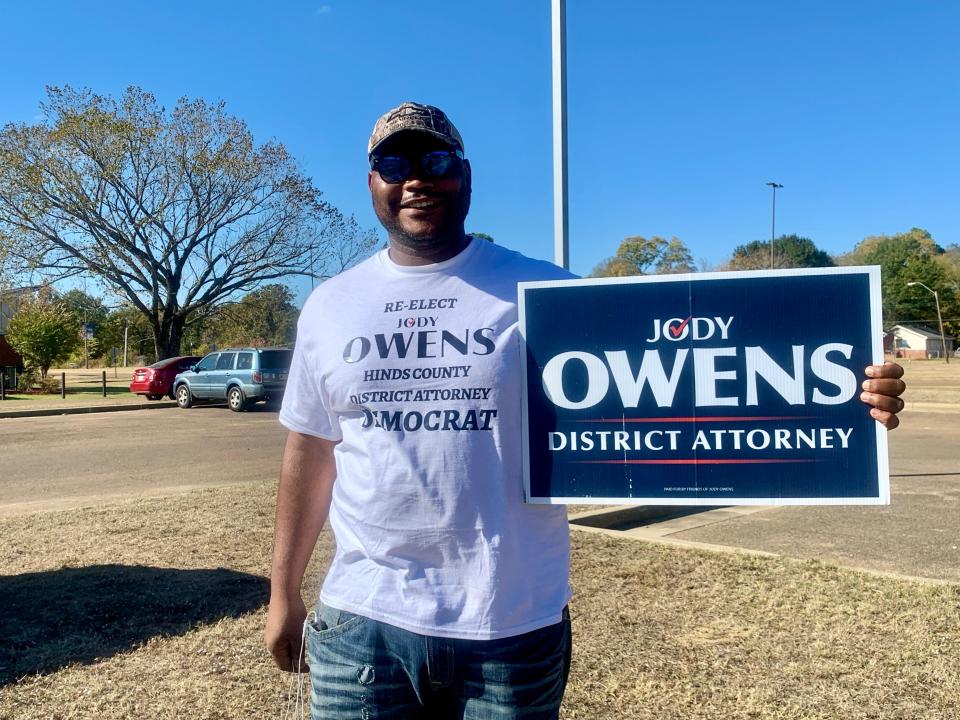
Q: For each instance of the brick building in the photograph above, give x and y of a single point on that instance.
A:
(10, 360)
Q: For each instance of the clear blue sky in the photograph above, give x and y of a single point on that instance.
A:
(679, 112)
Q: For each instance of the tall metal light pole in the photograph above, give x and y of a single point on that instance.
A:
(773, 221)
(936, 299)
(561, 219)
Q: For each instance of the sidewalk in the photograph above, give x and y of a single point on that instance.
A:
(916, 536)
(74, 404)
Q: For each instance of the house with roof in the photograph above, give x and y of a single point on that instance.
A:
(915, 341)
(10, 300)
(10, 361)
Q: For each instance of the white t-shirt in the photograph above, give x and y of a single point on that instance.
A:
(416, 371)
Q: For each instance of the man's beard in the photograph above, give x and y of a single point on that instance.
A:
(450, 230)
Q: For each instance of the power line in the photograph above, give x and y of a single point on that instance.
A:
(931, 320)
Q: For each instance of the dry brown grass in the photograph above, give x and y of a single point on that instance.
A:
(661, 632)
(669, 634)
(211, 668)
(932, 385)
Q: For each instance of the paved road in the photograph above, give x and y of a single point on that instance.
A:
(73, 460)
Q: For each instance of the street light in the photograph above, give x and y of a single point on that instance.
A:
(936, 299)
(773, 222)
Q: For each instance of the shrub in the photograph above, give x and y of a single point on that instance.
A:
(26, 380)
(43, 333)
(51, 385)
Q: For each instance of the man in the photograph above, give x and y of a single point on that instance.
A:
(447, 594)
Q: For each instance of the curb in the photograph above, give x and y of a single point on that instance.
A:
(43, 412)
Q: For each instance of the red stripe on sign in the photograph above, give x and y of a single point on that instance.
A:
(705, 419)
(689, 461)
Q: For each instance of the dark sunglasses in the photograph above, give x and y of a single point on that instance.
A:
(395, 169)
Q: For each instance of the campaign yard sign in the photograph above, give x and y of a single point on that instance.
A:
(709, 389)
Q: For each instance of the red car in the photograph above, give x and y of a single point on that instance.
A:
(156, 380)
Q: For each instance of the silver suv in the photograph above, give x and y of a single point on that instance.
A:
(240, 376)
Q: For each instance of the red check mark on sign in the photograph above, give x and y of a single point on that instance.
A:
(679, 329)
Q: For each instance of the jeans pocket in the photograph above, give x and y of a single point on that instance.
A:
(329, 623)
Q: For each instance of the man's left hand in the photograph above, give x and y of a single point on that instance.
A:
(882, 390)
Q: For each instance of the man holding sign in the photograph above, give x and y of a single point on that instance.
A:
(447, 594)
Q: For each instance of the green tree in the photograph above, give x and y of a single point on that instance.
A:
(675, 258)
(265, 317)
(789, 251)
(5, 244)
(175, 212)
(43, 333)
(482, 236)
(85, 308)
(128, 323)
(638, 255)
(909, 257)
(950, 260)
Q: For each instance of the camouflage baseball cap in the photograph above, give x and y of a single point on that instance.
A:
(418, 118)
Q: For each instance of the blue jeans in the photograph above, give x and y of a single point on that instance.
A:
(365, 669)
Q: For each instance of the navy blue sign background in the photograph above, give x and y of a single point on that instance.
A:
(774, 313)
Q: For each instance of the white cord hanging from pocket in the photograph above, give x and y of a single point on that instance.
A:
(296, 708)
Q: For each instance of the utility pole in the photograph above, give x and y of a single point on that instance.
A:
(561, 217)
(773, 221)
(936, 299)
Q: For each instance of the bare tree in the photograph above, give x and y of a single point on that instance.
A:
(174, 212)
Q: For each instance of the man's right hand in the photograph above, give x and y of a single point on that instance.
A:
(303, 503)
(284, 633)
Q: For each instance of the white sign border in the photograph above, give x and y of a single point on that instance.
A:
(876, 334)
